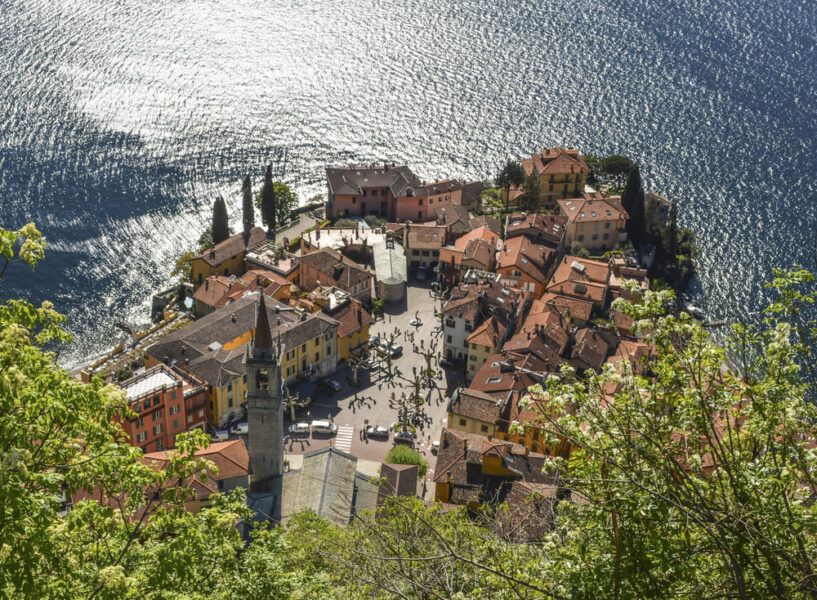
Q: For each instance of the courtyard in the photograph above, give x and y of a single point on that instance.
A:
(377, 398)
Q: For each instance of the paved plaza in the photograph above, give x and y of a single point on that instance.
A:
(351, 408)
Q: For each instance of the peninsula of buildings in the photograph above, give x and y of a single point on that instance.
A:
(296, 351)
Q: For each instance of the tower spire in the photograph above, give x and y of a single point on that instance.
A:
(263, 336)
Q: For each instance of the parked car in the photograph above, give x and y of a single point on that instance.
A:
(222, 435)
(404, 437)
(395, 350)
(446, 363)
(299, 429)
(330, 385)
(323, 427)
(377, 431)
(416, 321)
(240, 429)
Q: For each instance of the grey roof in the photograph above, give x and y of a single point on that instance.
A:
(389, 263)
(352, 180)
(200, 343)
(329, 484)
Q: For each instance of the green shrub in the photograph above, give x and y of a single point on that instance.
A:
(403, 455)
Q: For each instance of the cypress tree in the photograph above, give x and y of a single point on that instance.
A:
(248, 210)
(221, 226)
(268, 203)
(633, 202)
(670, 240)
(652, 223)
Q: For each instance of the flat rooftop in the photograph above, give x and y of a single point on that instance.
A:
(147, 383)
(340, 238)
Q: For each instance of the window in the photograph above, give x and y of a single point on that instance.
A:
(354, 200)
(580, 238)
(143, 435)
(156, 400)
(230, 402)
(157, 415)
(472, 357)
(607, 225)
(303, 347)
(157, 429)
(425, 252)
(485, 429)
(606, 236)
(448, 339)
(244, 379)
(595, 236)
(175, 423)
(172, 394)
(230, 387)
(415, 253)
(317, 356)
(419, 215)
(364, 192)
(468, 328)
(462, 422)
(174, 410)
(420, 203)
(473, 346)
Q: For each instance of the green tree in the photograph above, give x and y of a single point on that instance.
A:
(512, 174)
(285, 201)
(670, 238)
(268, 203)
(183, 267)
(633, 202)
(58, 440)
(221, 227)
(617, 169)
(403, 455)
(652, 222)
(248, 211)
(529, 200)
(576, 249)
(31, 247)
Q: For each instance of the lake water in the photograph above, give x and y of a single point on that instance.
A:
(120, 122)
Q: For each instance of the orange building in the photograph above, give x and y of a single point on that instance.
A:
(168, 402)
(525, 264)
(597, 223)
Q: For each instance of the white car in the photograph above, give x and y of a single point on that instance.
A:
(222, 435)
(299, 429)
(416, 322)
(240, 429)
(323, 427)
(377, 431)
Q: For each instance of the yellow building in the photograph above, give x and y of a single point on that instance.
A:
(562, 173)
(473, 411)
(353, 332)
(226, 258)
(597, 223)
(484, 342)
(213, 348)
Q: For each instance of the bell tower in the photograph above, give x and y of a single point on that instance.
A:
(265, 413)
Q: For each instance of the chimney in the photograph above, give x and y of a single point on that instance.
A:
(490, 436)
(212, 252)
(232, 317)
(527, 451)
(445, 439)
